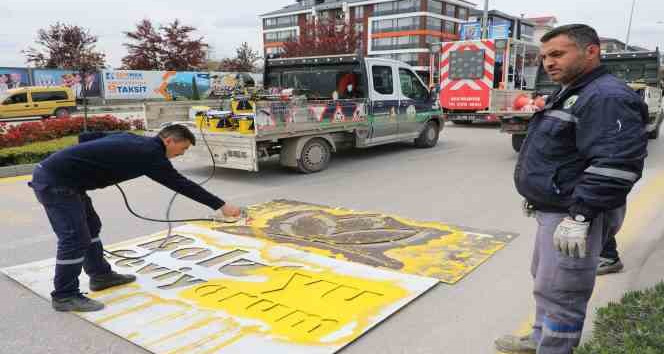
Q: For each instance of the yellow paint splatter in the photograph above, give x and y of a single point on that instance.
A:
(299, 305)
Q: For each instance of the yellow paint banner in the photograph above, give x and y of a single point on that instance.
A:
(433, 249)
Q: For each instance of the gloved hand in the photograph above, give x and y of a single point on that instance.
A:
(228, 214)
(528, 209)
(570, 237)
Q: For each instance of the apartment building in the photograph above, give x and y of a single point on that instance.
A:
(401, 29)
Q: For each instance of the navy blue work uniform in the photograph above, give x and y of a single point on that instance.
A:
(60, 183)
(582, 156)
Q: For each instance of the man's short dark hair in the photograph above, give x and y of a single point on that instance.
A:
(582, 35)
(178, 132)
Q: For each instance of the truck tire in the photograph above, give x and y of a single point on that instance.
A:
(61, 113)
(517, 141)
(429, 136)
(315, 156)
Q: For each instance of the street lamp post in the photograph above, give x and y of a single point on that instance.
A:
(485, 20)
(629, 26)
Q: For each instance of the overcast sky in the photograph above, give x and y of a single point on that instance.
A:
(226, 24)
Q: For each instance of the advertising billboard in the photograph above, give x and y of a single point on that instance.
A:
(90, 83)
(13, 78)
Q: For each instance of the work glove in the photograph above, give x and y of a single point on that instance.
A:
(570, 237)
(528, 209)
(228, 214)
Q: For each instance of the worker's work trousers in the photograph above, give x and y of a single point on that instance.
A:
(77, 227)
(563, 285)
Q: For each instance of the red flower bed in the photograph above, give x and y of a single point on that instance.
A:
(50, 129)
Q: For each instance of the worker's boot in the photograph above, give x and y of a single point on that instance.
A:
(105, 281)
(516, 345)
(78, 303)
(609, 265)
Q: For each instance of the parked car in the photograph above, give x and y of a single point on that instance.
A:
(59, 101)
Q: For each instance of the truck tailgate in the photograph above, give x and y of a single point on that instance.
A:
(230, 149)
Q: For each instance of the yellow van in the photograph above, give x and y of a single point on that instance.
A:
(29, 101)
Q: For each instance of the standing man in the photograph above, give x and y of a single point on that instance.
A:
(583, 153)
(60, 183)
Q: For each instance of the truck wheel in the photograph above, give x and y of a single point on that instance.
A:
(517, 141)
(429, 136)
(61, 113)
(315, 156)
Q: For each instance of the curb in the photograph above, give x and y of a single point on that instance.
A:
(17, 170)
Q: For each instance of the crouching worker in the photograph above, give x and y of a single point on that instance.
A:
(61, 181)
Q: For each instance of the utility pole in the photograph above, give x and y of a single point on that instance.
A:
(629, 26)
(485, 20)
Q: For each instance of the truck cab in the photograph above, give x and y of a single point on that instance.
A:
(388, 92)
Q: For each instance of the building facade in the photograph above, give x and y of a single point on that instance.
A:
(517, 27)
(543, 25)
(401, 29)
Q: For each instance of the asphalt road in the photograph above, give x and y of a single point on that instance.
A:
(466, 180)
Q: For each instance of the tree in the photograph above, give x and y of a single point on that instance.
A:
(145, 54)
(180, 51)
(65, 47)
(169, 48)
(323, 38)
(245, 60)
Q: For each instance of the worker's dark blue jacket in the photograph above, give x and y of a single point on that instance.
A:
(112, 159)
(586, 149)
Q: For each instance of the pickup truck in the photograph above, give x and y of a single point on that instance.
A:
(640, 70)
(311, 107)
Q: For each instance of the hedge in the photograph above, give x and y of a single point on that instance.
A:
(34, 152)
(49, 129)
(635, 325)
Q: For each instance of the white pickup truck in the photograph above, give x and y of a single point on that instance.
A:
(319, 105)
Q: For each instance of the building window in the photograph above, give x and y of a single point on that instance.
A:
(391, 43)
(283, 21)
(450, 10)
(358, 12)
(383, 7)
(463, 13)
(450, 27)
(407, 23)
(408, 5)
(281, 36)
(359, 28)
(392, 7)
(527, 31)
(398, 24)
(434, 24)
(435, 6)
